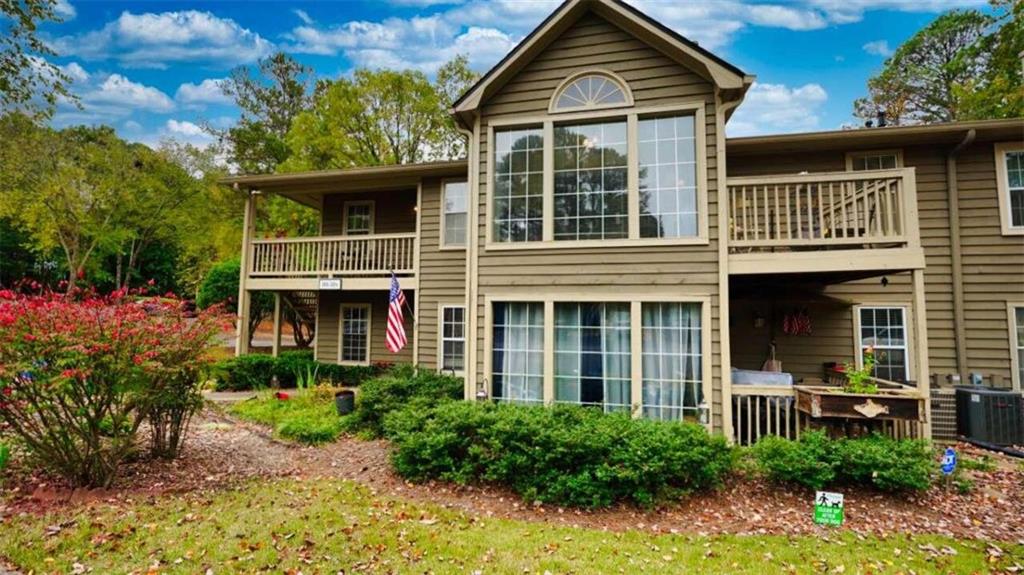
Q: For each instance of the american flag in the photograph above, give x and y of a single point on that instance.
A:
(395, 339)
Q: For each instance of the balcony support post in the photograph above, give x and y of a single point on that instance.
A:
(921, 350)
(276, 346)
(242, 334)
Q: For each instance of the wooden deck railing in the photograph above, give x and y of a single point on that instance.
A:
(759, 410)
(866, 209)
(334, 255)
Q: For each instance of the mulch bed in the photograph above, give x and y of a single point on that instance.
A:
(223, 452)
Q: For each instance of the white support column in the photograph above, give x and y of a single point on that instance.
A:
(276, 346)
(921, 349)
(244, 303)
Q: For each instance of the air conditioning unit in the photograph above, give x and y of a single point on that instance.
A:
(990, 415)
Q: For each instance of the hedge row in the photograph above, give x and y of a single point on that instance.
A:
(400, 388)
(562, 455)
(816, 461)
(255, 371)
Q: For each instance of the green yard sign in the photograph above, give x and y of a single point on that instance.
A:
(828, 508)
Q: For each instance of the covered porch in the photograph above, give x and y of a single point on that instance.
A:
(795, 337)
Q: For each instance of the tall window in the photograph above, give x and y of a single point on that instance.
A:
(453, 338)
(672, 375)
(885, 330)
(1018, 315)
(1014, 161)
(668, 177)
(455, 203)
(358, 218)
(590, 181)
(518, 352)
(518, 185)
(874, 161)
(355, 333)
(592, 354)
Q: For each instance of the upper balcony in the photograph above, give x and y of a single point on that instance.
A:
(362, 261)
(824, 222)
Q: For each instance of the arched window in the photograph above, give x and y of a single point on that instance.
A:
(589, 90)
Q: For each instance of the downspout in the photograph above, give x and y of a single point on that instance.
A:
(955, 252)
(724, 345)
(472, 163)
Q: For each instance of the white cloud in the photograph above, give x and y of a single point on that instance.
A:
(302, 16)
(75, 72)
(185, 128)
(65, 10)
(118, 91)
(776, 108)
(206, 92)
(132, 126)
(157, 40)
(847, 11)
(878, 48)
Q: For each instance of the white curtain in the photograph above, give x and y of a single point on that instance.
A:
(671, 360)
(518, 358)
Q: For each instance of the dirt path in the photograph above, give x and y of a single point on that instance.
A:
(223, 451)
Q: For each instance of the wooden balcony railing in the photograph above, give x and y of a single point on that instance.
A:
(333, 256)
(868, 209)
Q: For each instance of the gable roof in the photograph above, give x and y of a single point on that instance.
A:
(686, 52)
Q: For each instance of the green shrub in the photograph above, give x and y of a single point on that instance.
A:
(251, 371)
(397, 389)
(563, 455)
(816, 461)
(5, 456)
(311, 430)
(254, 371)
(808, 462)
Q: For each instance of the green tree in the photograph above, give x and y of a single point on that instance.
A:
(949, 71)
(24, 72)
(453, 79)
(375, 118)
(998, 91)
(220, 286)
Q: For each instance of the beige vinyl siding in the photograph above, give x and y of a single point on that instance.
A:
(328, 316)
(993, 264)
(442, 277)
(394, 211)
(667, 271)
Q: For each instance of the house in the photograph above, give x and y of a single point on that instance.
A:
(605, 243)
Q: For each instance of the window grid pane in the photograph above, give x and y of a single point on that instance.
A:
(1018, 313)
(355, 322)
(592, 354)
(590, 181)
(671, 357)
(518, 354)
(453, 338)
(455, 202)
(884, 329)
(1015, 183)
(668, 177)
(518, 185)
(874, 162)
(590, 91)
(357, 219)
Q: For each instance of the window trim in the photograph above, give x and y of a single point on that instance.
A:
(1015, 345)
(1003, 187)
(632, 117)
(344, 215)
(908, 319)
(369, 332)
(441, 243)
(636, 301)
(851, 156)
(608, 75)
(441, 306)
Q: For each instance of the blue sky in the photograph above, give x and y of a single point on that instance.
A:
(150, 69)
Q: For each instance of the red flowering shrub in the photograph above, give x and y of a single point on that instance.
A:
(80, 373)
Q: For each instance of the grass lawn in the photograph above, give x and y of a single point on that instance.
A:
(326, 526)
(306, 416)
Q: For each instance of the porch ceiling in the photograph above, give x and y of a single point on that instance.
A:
(798, 287)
